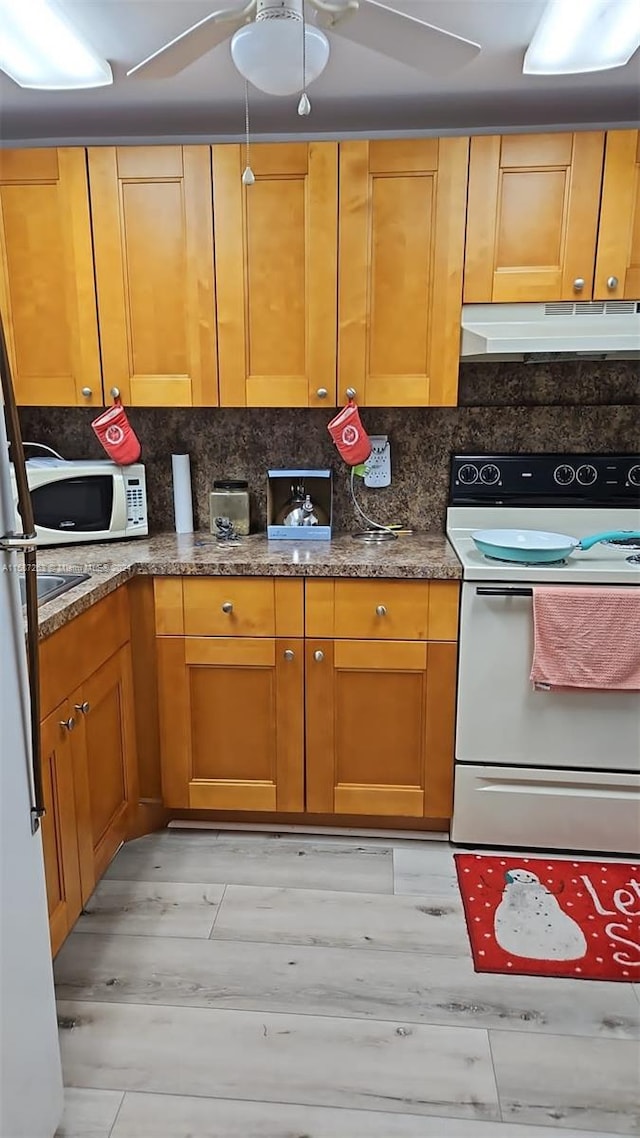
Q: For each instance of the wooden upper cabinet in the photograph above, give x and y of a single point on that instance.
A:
(618, 261)
(276, 274)
(47, 289)
(402, 221)
(153, 238)
(533, 217)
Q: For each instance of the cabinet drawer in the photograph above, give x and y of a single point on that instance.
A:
(228, 606)
(382, 610)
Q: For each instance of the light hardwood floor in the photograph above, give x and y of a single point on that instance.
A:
(255, 986)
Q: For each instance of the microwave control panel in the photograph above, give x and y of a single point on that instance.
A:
(136, 500)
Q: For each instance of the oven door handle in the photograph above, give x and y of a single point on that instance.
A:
(483, 591)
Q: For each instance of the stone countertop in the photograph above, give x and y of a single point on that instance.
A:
(416, 557)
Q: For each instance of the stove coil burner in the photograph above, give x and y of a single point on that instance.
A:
(624, 542)
(526, 564)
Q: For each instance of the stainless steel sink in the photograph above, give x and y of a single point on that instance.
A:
(51, 585)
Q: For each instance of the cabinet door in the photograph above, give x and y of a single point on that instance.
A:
(532, 216)
(105, 764)
(153, 237)
(47, 289)
(59, 834)
(618, 263)
(231, 723)
(380, 718)
(276, 274)
(402, 219)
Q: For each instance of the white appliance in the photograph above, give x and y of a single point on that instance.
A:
(85, 500)
(558, 329)
(553, 770)
(30, 1076)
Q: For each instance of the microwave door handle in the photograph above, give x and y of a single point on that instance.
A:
(25, 541)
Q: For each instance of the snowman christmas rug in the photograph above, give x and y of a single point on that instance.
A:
(545, 917)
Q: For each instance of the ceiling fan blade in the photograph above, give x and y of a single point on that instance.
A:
(402, 37)
(190, 45)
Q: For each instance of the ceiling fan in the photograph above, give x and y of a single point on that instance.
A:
(267, 37)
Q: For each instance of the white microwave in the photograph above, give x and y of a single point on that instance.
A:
(84, 500)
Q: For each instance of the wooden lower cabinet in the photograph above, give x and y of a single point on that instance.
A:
(105, 771)
(380, 724)
(59, 828)
(232, 722)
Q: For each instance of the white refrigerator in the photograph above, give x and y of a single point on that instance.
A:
(30, 1075)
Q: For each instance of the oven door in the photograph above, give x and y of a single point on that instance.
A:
(502, 720)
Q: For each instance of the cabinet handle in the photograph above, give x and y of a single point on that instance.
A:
(227, 607)
(115, 392)
(612, 282)
(289, 654)
(68, 724)
(322, 393)
(578, 284)
(318, 655)
(351, 393)
(87, 392)
(381, 610)
(84, 708)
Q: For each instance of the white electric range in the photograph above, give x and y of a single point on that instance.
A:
(547, 770)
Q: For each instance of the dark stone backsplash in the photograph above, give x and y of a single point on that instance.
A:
(585, 407)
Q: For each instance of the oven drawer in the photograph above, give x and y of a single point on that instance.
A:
(549, 809)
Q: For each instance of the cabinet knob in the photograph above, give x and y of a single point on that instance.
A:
(84, 708)
(289, 654)
(381, 610)
(322, 393)
(87, 392)
(578, 284)
(115, 392)
(68, 724)
(227, 606)
(351, 393)
(612, 282)
(318, 655)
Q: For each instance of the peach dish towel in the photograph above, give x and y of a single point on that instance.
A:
(586, 638)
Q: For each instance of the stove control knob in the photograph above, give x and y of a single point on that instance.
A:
(468, 474)
(489, 474)
(633, 477)
(586, 474)
(564, 474)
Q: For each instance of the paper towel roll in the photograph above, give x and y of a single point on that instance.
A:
(182, 500)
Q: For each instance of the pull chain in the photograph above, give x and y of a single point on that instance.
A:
(304, 106)
(248, 176)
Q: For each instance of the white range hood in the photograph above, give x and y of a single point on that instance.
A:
(571, 329)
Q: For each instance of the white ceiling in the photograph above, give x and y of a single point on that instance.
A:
(359, 91)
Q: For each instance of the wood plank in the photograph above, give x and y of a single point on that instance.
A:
(169, 606)
(138, 908)
(619, 228)
(289, 607)
(174, 1116)
(440, 717)
(202, 857)
(145, 687)
(432, 927)
(319, 980)
(175, 716)
(592, 1083)
(444, 602)
(314, 1060)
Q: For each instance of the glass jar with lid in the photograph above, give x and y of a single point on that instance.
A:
(230, 499)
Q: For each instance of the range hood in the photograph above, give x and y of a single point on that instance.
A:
(556, 330)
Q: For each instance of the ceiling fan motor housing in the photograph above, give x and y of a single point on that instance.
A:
(278, 10)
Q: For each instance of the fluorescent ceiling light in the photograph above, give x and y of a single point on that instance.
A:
(574, 36)
(40, 48)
